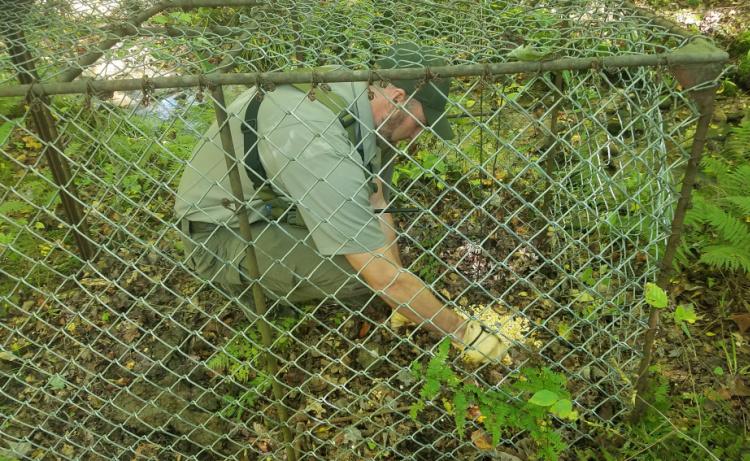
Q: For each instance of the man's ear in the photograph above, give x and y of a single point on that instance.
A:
(398, 95)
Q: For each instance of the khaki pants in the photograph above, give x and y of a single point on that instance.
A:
(290, 267)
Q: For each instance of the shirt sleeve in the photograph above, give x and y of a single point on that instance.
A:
(317, 166)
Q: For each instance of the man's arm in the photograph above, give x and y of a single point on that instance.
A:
(386, 224)
(405, 292)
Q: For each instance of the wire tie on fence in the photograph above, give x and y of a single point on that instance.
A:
(34, 96)
(259, 87)
(229, 205)
(29, 98)
(487, 76)
(90, 93)
(325, 86)
(428, 75)
(148, 87)
(269, 86)
(313, 86)
(661, 65)
(370, 80)
(599, 64)
(202, 84)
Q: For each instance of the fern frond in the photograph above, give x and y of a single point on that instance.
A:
(726, 257)
(730, 228)
(739, 139)
(740, 202)
(219, 362)
(736, 182)
(714, 166)
(697, 215)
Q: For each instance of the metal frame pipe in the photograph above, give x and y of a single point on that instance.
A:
(705, 100)
(44, 125)
(343, 75)
(251, 263)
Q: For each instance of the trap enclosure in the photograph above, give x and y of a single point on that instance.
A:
(545, 216)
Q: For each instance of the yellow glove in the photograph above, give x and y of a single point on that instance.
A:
(399, 321)
(481, 345)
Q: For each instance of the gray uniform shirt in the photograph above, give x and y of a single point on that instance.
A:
(309, 159)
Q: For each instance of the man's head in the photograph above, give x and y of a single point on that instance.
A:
(401, 109)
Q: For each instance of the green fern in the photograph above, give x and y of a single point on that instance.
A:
(739, 139)
(742, 203)
(718, 224)
(728, 227)
(726, 257)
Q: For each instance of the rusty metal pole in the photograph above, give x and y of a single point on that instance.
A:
(690, 77)
(251, 262)
(44, 125)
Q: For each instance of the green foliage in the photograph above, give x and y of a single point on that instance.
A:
(685, 314)
(718, 224)
(240, 360)
(527, 404)
(674, 427)
(743, 70)
(656, 297)
(425, 165)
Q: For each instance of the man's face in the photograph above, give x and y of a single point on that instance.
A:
(403, 121)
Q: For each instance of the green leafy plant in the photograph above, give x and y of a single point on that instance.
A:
(527, 404)
(683, 315)
(240, 360)
(656, 297)
(718, 224)
(656, 437)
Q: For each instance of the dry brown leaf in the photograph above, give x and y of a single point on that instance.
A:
(481, 440)
(68, 450)
(739, 388)
(736, 388)
(130, 331)
(146, 451)
(473, 413)
(264, 446)
(364, 329)
(742, 321)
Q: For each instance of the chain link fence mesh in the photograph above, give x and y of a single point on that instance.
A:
(552, 203)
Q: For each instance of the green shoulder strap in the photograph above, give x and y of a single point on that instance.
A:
(336, 104)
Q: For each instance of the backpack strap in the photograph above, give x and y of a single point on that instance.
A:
(338, 105)
(334, 102)
(249, 129)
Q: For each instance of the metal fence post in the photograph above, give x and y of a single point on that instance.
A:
(44, 125)
(689, 77)
(251, 263)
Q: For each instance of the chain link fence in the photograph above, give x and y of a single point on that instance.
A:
(545, 217)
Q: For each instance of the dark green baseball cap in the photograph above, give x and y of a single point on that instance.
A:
(434, 94)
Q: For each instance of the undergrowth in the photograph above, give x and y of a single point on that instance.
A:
(239, 360)
(718, 224)
(527, 404)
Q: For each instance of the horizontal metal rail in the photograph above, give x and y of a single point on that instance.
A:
(184, 81)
